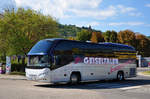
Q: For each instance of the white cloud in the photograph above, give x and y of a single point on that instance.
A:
(107, 12)
(82, 3)
(124, 9)
(147, 5)
(46, 6)
(58, 8)
(126, 23)
(76, 8)
(96, 13)
(92, 24)
(128, 10)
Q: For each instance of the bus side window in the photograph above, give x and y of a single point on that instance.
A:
(61, 60)
(63, 54)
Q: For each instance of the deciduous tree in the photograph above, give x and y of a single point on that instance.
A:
(84, 35)
(143, 45)
(110, 36)
(21, 29)
(127, 37)
(97, 37)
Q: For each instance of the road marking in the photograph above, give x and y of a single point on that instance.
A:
(115, 86)
(127, 88)
(109, 85)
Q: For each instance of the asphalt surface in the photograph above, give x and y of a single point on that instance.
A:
(133, 88)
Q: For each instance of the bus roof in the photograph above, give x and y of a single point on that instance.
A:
(54, 39)
(37, 48)
(118, 45)
(103, 43)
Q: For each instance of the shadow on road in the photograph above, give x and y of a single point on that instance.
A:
(101, 84)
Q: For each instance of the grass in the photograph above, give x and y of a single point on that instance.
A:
(17, 73)
(146, 72)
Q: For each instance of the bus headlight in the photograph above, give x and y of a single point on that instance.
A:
(43, 74)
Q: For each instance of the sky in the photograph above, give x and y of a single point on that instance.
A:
(99, 14)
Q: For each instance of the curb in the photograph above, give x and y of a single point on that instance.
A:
(143, 68)
(12, 77)
(141, 74)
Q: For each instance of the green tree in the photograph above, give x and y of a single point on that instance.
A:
(21, 29)
(110, 36)
(84, 35)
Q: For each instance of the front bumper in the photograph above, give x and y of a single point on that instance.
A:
(42, 75)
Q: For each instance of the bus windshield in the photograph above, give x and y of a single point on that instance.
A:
(39, 60)
(41, 48)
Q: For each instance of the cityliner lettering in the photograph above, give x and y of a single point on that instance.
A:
(98, 60)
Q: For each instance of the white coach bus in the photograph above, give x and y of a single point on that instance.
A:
(59, 60)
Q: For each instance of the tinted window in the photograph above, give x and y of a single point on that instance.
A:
(63, 54)
(64, 45)
(42, 47)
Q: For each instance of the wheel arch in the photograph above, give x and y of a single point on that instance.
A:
(77, 73)
(120, 71)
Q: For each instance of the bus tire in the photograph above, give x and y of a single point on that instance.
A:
(74, 78)
(120, 76)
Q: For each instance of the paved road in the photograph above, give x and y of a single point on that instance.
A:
(133, 88)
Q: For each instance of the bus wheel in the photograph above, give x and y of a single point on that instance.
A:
(120, 76)
(74, 79)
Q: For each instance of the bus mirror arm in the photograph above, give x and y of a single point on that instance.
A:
(54, 63)
(56, 60)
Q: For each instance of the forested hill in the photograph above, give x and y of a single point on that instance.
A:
(71, 30)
